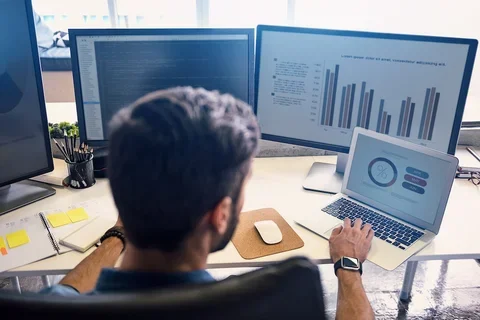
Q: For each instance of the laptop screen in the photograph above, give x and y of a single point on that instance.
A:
(404, 180)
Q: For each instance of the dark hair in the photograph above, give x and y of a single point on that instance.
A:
(173, 156)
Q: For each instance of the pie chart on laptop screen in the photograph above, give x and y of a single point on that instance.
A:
(382, 172)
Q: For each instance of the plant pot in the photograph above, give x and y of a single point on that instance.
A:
(57, 153)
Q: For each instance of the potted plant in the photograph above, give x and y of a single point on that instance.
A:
(57, 130)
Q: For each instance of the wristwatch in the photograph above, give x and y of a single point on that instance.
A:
(117, 232)
(348, 263)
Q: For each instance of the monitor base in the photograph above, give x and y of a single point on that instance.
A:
(22, 193)
(326, 177)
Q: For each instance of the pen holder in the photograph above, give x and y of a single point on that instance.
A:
(81, 174)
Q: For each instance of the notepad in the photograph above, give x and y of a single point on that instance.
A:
(17, 239)
(58, 219)
(3, 247)
(85, 237)
(77, 214)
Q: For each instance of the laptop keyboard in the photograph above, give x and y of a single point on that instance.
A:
(386, 229)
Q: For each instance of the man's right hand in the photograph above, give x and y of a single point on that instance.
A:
(348, 241)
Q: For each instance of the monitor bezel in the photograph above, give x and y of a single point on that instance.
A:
(74, 33)
(41, 99)
(472, 43)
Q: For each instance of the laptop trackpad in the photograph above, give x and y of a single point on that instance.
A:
(329, 232)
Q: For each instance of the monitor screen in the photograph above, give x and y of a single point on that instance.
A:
(399, 178)
(116, 67)
(315, 86)
(24, 144)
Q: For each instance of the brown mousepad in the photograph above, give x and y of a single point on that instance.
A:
(250, 245)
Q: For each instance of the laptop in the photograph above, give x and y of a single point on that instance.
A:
(400, 188)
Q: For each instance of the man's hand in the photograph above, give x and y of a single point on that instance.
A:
(351, 241)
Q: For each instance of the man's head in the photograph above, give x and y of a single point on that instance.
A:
(178, 162)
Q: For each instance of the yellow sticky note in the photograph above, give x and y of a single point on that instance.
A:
(77, 214)
(58, 219)
(17, 239)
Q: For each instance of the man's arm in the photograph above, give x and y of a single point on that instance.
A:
(352, 302)
(85, 275)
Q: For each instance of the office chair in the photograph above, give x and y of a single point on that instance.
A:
(287, 290)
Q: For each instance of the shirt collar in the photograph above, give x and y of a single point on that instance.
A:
(127, 281)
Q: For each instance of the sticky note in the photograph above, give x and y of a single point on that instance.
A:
(58, 219)
(17, 239)
(3, 247)
(77, 214)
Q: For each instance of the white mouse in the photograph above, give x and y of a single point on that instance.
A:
(269, 231)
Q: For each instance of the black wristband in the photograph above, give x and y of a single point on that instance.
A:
(117, 232)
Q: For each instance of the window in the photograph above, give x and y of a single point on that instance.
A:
(158, 13)
(246, 13)
(61, 15)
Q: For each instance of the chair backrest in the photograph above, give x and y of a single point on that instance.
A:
(287, 290)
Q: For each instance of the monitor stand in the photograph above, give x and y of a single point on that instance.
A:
(20, 194)
(326, 177)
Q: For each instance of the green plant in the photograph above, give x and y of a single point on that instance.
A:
(56, 129)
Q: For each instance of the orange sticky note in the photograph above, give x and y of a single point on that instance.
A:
(3, 247)
(58, 219)
(77, 214)
(17, 238)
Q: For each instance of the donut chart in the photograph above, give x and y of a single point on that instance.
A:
(382, 172)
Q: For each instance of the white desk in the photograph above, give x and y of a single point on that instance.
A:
(277, 183)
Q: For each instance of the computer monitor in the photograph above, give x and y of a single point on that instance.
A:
(112, 68)
(24, 141)
(313, 87)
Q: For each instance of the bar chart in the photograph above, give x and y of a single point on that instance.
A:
(344, 102)
(346, 106)
(329, 95)
(406, 117)
(429, 114)
(384, 119)
(365, 106)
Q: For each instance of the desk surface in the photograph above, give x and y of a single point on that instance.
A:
(277, 183)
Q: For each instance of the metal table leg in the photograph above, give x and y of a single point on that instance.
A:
(46, 281)
(16, 284)
(408, 280)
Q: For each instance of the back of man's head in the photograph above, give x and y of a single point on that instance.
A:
(173, 156)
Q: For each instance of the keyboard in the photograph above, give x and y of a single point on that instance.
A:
(395, 233)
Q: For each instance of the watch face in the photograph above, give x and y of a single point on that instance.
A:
(348, 262)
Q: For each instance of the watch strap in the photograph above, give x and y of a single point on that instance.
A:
(117, 232)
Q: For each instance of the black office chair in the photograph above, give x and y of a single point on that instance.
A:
(287, 290)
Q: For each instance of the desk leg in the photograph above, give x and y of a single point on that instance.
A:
(408, 280)
(46, 281)
(16, 284)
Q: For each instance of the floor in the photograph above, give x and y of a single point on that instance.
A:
(442, 290)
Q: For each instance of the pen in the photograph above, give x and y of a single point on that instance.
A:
(65, 137)
(473, 153)
(59, 148)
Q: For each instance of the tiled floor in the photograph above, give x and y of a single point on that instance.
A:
(442, 290)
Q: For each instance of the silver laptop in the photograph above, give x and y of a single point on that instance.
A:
(399, 187)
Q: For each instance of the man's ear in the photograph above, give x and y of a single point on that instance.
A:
(220, 215)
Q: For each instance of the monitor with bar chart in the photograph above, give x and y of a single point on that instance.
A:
(313, 87)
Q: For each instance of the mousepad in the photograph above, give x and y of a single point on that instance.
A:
(250, 245)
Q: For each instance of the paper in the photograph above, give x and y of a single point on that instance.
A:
(3, 247)
(77, 214)
(17, 239)
(58, 219)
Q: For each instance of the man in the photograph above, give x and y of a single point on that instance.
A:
(179, 161)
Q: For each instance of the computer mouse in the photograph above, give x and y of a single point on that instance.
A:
(269, 231)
